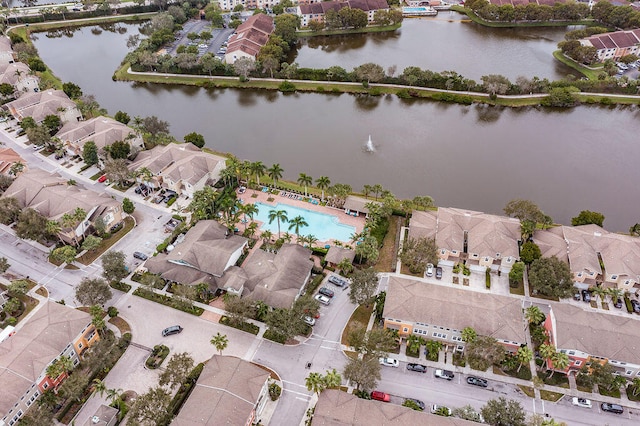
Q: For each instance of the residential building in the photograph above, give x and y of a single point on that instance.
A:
(51, 196)
(355, 206)
(441, 313)
(183, 168)
(207, 251)
(54, 330)
(39, 105)
(104, 416)
(370, 7)
(336, 254)
(595, 256)
(587, 337)
(103, 131)
(482, 240)
(315, 10)
(8, 157)
(19, 75)
(277, 279)
(614, 45)
(338, 408)
(249, 38)
(229, 391)
(248, 4)
(6, 51)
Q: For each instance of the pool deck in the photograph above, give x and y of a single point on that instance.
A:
(262, 197)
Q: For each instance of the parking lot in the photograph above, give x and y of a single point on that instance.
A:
(215, 45)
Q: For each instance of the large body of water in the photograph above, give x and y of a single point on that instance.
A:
(473, 157)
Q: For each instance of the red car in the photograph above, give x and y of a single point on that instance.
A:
(380, 396)
(102, 178)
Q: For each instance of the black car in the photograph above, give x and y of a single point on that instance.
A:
(477, 381)
(618, 303)
(636, 305)
(438, 273)
(417, 367)
(586, 296)
(139, 255)
(612, 408)
(326, 292)
(417, 402)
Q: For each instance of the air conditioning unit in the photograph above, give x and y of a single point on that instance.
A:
(95, 420)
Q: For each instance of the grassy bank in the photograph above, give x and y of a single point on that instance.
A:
(73, 23)
(496, 24)
(591, 74)
(373, 29)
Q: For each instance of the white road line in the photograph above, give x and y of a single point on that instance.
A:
(298, 393)
(295, 384)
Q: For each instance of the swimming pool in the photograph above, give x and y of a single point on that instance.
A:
(322, 226)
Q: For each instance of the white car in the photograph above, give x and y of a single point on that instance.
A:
(389, 362)
(440, 409)
(581, 402)
(429, 271)
(322, 299)
(309, 320)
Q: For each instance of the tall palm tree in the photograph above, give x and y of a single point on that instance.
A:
(546, 352)
(560, 362)
(99, 387)
(258, 169)
(266, 236)
(635, 386)
(296, 223)
(315, 382)
(251, 229)
(311, 240)
(601, 292)
(332, 379)
(280, 216)
(248, 210)
(366, 190)
(615, 293)
(144, 174)
(113, 394)
(524, 355)
(534, 315)
(220, 342)
(305, 180)
(275, 173)
(377, 190)
(323, 183)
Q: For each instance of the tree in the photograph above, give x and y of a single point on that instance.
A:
(368, 250)
(410, 403)
(275, 173)
(72, 90)
(587, 217)
(503, 412)
(176, 370)
(417, 253)
(74, 386)
(323, 183)
(285, 322)
(31, 225)
(16, 168)
(364, 283)
(364, 372)
(65, 254)
(117, 170)
(635, 386)
(52, 122)
(99, 387)
(468, 335)
(483, 352)
(305, 180)
(534, 315)
(279, 216)
(39, 135)
(286, 26)
(467, 413)
(90, 153)
(151, 407)
(524, 355)
(238, 309)
(530, 252)
(315, 382)
(122, 117)
(18, 288)
(119, 149)
(258, 170)
(525, 210)
(296, 223)
(220, 341)
(114, 267)
(373, 343)
(551, 277)
(93, 291)
(195, 138)
(560, 362)
(369, 72)
(9, 210)
(635, 230)
(203, 203)
(127, 206)
(495, 84)
(243, 67)
(4, 265)
(59, 366)
(561, 97)
(516, 274)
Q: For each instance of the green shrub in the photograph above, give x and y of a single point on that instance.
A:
(275, 337)
(121, 286)
(320, 89)
(403, 94)
(375, 91)
(287, 87)
(274, 391)
(627, 302)
(112, 311)
(162, 247)
(606, 101)
(171, 201)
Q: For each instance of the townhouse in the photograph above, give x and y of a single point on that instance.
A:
(315, 10)
(39, 105)
(614, 45)
(249, 38)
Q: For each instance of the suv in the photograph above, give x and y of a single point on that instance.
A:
(139, 255)
(322, 299)
(380, 396)
(612, 408)
(174, 329)
(444, 374)
(586, 296)
(417, 367)
(327, 292)
(340, 282)
(438, 273)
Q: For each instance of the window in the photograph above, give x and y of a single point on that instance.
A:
(80, 346)
(45, 386)
(578, 362)
(405, 329)
(628, 372)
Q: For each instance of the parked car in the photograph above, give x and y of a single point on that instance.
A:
(159, 198)
(477, 381)
(581, 402)
(339, 281)
(444, 374)
(612, 408)
(389, 362)
(102, 178)
(309, 320)
(576, 296)
(322, 299)
(417, 402)
(139, 255)
(435, 408)
(438, 273)
(618, 303)
(174, 329)
(635, 305)
(327, 292)
(429, 271)
(586, 296)
(380, 396)
(419, 368)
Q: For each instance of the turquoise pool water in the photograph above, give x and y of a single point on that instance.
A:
(414, 9)
(323, 226)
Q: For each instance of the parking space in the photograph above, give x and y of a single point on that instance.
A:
(215, 45)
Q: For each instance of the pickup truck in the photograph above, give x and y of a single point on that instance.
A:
(444, 374)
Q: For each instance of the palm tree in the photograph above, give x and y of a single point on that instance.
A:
(323, 183)
(311, 240)
(275, 173)
(287, 237)
(99, 387)
(305, 180)
(258, 169)
(251, 229)
(220, 341)
(280, 216)
(345, 266)
(560, 362)
(248, 210)
(433, 347)
(315, 382)
(332, 379)
(366, 190)
(601, 292)
(59, 366)
(413, 343)
(266, 236)
(524, 355)
(296, 223)
(468, 334)
(113, 394)
(534, 315)
(618, 382)
(546, 352)
(635, 386)
(615, 293)
(145, 175)
(377, 189)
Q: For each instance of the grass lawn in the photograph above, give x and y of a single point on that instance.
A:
(42, 292)
(359, 318)
(557, 379)
(122, 325)
(517, 290)
(591, 74)
(475, 18)
(550, 396)
(528, 390)
(388, 250)
(630, 394)
(351, 354)
(90, 256)
(584, 389)
(615, 393)
(372, 29)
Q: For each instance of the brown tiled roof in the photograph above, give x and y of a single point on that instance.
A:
(8, 157)
(489, 314)
(367, 5)
(597, 43)
(251, 35)
(623, 39)
(337, 254)
(103, 131)
(12, 73)
(261, 22)
(40, 104)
